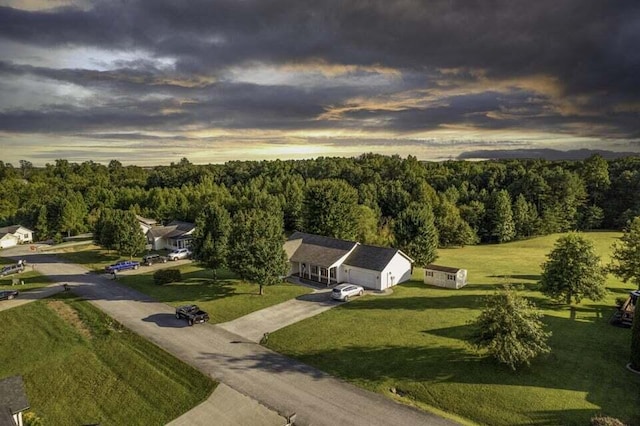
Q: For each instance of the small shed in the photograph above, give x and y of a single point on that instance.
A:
(13, 401)
(445, 276)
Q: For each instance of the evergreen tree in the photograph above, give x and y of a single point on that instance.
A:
(625, 260)
(573, 271)
(525, 217)
(503, 228)
(416, 234)
(256, 250)
(510, 329)
(211, 237)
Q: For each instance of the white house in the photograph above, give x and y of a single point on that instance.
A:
(13, 401)
(14, 235)
(331, 261)
(175, 235)
(146, 224)
(445, 276)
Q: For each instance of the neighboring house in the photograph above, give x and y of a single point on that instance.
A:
(146, 224)
(445, 276)
(14, 235)
(175, 235)
(332, 261)
(13, 401)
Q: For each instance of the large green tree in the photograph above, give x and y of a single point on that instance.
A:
(503, 228)
(330, 208)
(573, 271)
(129, 239)
(625, 260)
(211, 237)
(510, 329)
(416, 234)
(256, 250)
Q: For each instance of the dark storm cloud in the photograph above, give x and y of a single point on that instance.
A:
(588, 47)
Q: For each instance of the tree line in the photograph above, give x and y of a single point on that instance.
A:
(375, 199)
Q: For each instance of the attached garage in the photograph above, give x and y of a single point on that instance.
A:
(377, 268)
(8, 240)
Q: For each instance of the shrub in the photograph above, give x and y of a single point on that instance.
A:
(166, 276)
(605, 421)
(31, 419)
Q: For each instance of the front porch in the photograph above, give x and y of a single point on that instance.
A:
(317, 274)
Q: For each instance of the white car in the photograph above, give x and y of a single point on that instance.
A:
(179, 254)
(346, 291)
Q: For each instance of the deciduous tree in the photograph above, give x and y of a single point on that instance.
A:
(625, 260)
(510, 329)
(573, 271)
(330, 209)
(256, 250)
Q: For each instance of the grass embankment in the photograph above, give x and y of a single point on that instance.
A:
(225, 299)
(82, 367)
(415, 341)
(31, 278)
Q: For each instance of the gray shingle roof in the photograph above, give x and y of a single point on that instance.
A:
(319, 250)
(13, 395)
(173, 230)
(371, 257)
(448, 269)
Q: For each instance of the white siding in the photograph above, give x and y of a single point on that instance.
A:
(398, 270)
(446, 279)
(8, 241)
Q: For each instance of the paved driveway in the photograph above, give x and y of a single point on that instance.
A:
(278, 382)
(253, 326)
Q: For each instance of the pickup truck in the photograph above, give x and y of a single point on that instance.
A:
(123, 265)
(192, 313)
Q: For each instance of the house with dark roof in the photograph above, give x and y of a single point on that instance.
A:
(15, 234)
(445, 276)
(13, 401)
(332, 261)
(176, 235)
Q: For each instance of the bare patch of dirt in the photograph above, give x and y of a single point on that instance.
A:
(68, 314)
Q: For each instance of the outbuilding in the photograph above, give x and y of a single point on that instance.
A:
(445, 276)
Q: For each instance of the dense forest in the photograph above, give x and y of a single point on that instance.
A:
(363, 198)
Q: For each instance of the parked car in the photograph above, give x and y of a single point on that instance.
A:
(179, 254)
(8, 294)
(11, 269)
(150, 259)
(346, 291)
(122, 265)
(192, 313)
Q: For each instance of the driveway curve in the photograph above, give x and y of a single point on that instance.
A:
(278, 382)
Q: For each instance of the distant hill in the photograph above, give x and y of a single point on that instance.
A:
(547, 154)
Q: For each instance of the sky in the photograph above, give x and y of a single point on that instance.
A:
(149, 82)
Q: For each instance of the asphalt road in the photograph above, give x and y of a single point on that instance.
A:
(280, 383)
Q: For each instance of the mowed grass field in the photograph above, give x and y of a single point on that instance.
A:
(81, 367)
(225, 299)
(415, 340)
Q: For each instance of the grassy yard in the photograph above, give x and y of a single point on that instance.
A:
(226, 299)
(81, 367)
(31, 278)
(414, 340)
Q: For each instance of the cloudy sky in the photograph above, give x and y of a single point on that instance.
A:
(152, 81)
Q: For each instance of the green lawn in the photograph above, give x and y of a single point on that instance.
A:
(415, 341)
(226, 299)
(90, 255)
(31, 278)
(81, 367)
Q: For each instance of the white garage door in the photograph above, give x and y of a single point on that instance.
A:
(364, 278)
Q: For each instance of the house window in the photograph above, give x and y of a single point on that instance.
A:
(451, 277)
(429, 273)
(332, 273)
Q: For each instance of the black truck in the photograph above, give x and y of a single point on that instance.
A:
(192, 313)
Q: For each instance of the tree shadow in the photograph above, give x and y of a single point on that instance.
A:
(518, 277)
(417, 303)
(166, 321)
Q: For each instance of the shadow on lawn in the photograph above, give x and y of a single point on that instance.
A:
(575, 364)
